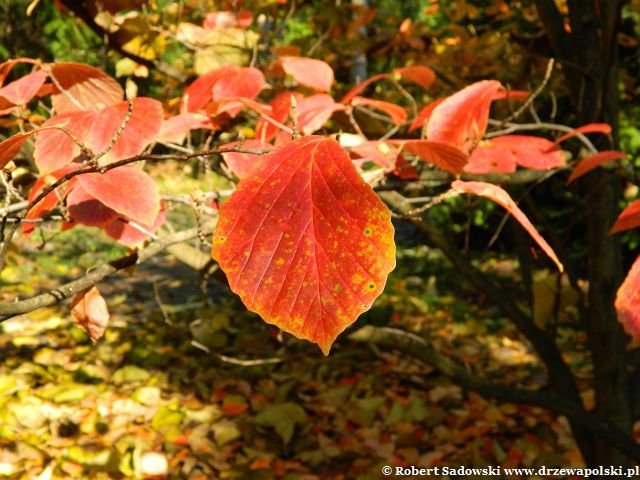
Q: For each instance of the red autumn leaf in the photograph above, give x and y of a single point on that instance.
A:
(462, 118)
(127, 190)
(629, 218)
(418, 74)
(310, 72)
(442, 155)
(591, 128)
(502, 198)
(528, 152)
(124, 232)
(628, 301)
(84, 88)
(241, 82)
(396, 112)
(175, 129)
(90, 312)
(242, 164)
(234, 409)
(142, 128)
(221, 83)
(489, 157)
(589, 163)
(87, 210)
(20, 91)
(50, 201)
(424, 114)
(53, 148)
(315, 111)
(200, 92)
(280, 108)
(304, 240)
(361, 86)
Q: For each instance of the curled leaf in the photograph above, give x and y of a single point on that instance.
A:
(502, 198)
(90, 312)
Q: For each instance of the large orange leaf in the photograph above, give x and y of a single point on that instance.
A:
(589, 163)
(628, 301)
(502, 198)
(90, 312)
(305, 241)
(310, 72)
(84, 88)
(629, 218)
(462, 118)
(396, 112)
(442, 155)
(127, 190)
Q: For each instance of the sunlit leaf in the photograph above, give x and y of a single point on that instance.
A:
(280, 108)
(304, 240)
(175, 129)
(310, 72)
(83, 88)
(87, 210)
(424, 115)
(502, 198)
(462, 118)
(130, 235)
(127, 190)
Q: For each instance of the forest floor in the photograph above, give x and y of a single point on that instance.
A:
(186, 377)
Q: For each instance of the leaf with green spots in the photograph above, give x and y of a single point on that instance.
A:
(305, 241)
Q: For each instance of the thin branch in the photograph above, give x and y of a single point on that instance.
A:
(9, 310)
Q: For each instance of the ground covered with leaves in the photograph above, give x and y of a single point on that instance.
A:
(194, 385)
